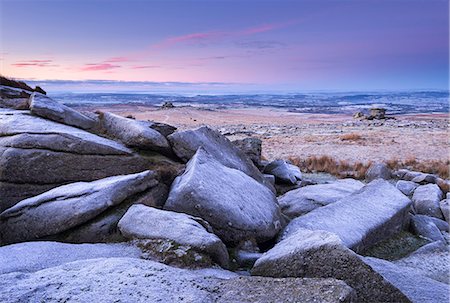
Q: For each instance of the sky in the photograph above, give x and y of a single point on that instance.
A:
(263, 45)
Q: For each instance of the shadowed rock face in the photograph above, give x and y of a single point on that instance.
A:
(134, 280)
(133, 133)
(236, 206)
(375, 212)
(143, 222)
(186, 143)
(68, 206)
(48, 108)
(283, 172)
(320, 254)
(37, 155)
(426, 200)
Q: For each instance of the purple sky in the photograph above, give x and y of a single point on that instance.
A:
(280, 45)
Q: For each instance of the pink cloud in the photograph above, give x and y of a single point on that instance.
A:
(145, 66)
(187, 38)
(35, 63)
(117, 59)
(98, 67)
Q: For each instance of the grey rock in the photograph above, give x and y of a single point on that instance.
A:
(320, 254)
(424, 179)
(252, 147)
(406, 174)
(14, 98)
(46, 107)
(37, 155)
(34, 256)
(406, 187)
(236, 206)
(186, 143)
(445, 209)
(270, 179)
(143, 222)
(163, 128)
(378, 170)
(305, 199)
(375, 212)
(431, 260)
(426, 200)
(425, 227)
(417, 288)
(68, 206)
(283, 171)
(134, 280)
(134, 133)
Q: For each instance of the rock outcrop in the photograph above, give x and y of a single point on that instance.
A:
(172, 229)
(300, 201)
(375, 212)
(320, 254)
(252, 147)
(134, 133)
(43, 106)
(186, 143)
(37, 155)
(68, 206)
(236, 206)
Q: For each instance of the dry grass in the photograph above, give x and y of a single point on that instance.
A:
(351, 137)
(357, 170)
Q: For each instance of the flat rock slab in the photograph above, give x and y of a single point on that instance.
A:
(34, 256)
(237, 207)
(68, 206)
(143, 222)
(134, 280)
(417, 288)
(46, 107)
(186, 143)
(375, 212)
(134, 133)
(320, 254)
(38, 154)
(300, 201)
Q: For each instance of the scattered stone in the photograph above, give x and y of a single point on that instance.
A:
(423, 179)
(320, 254)
(377, 113)
(416, 287)
(431, 260)
(305, 199)
(46, 107)
(186, 143)
(34, 256)
(67, 206)
(134, 133)
(378, 170)
(426, 200)
(251, 147)
(283, 172)
(237, 207)
(424, 226)
(406, 187)
(143, 222)
(358, 115)
(374, 213)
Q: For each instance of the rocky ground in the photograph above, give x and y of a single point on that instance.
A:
(99, 207)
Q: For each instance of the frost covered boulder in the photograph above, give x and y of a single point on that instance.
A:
(134, 133)
(34, 256)
(300, 201)
(141, 281)
(46, 107)
(378, 170)
(236, 206)
(37, 155)
(416, 287)
(320, 254)
(375, 212)
(173, 230)
(68, 206)
(426, 200)
(445, 208)
(424, 226)
(284, 172)
(186, 143)
(406, 187)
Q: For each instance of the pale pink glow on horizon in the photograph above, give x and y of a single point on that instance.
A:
(98, 67)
